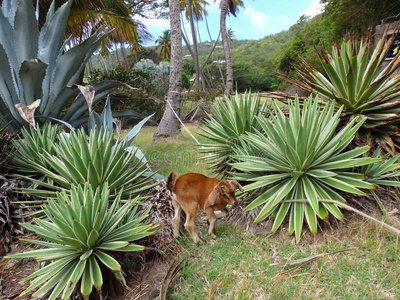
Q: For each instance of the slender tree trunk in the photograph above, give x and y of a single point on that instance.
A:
(215, 55)
(195, 46)
(227, 50)
(169, 124)
(124, 58)
(90, 65)
(117, 55)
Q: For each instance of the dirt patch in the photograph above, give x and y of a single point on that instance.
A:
(12, 271)
(152, 280)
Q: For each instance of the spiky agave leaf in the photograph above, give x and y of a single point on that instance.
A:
(75, 159)
(38, 65)
(386, 172)
(300, 157)
(229, 119)
(80, 234)
(32, 145)
(357, 79)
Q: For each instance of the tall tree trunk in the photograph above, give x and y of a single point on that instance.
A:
(195, 46)
(227, 50)
(169, 124)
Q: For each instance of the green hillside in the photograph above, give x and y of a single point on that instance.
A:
(254, 61)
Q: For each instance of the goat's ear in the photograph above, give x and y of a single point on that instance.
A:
(237, 185)
(212, 198)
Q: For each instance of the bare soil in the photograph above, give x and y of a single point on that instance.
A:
(13, 271)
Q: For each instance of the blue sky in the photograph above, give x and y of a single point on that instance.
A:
(257, 19)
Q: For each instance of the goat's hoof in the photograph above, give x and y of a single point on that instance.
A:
(213, 236)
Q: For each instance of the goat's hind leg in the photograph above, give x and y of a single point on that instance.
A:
(176, 221)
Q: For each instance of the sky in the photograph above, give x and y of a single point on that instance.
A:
(257, 19)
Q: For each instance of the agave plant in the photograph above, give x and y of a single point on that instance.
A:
(383, 172)
(78, 238)
(39, 65)
(301, 157)
(98, 161)
(229, 119)
(357, 78)
(32, 145)
(35, 142)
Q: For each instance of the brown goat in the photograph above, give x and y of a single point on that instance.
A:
(192, 192)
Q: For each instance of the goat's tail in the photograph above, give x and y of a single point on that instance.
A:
(171, 179)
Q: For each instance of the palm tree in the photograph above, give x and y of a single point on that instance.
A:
(169, 124)
(231, 35)
(194, 11)
(88, 16)
(228, 7)
(91, 15)
(164, 44)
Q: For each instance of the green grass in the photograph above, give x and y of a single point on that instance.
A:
(180, 155)
(237, 265)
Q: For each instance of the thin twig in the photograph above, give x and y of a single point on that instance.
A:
(180, 121)
(214, 283)
(304, 261)
(172, 271)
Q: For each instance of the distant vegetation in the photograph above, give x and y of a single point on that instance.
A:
(255, 61)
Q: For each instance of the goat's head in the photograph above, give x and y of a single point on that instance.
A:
(224, 191)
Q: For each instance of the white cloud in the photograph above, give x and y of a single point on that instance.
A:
(213, 7)
(263, 24)
(257, 19)
(285, 21)
(314, 9)
(155, 23)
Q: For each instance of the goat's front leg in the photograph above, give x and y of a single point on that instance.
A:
(212, 218)
(224, 213)
(191, 227)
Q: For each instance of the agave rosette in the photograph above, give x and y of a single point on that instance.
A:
(357, 78)
(97, 160)
(32, 145)
(297, 162)
(79, 235)
(385, 172)
(229, 119)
